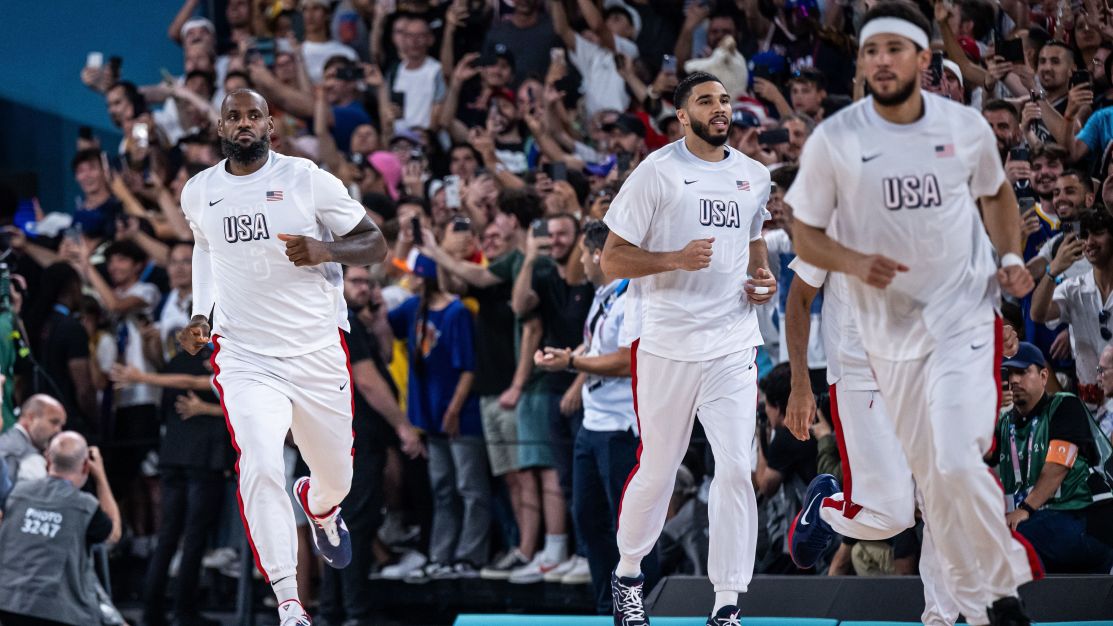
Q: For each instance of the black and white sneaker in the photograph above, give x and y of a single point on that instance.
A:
(500, 569)
(726, 616)
(627, 600)
(1008, 612)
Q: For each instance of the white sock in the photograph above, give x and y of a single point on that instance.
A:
(556, 548)
(286, 589)
(724, 598)
(628, 567)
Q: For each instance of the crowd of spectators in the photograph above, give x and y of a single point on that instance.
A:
(494, 420)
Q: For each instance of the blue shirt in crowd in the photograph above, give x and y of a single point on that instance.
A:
(448, 351)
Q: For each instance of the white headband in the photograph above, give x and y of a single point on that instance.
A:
(893, 26)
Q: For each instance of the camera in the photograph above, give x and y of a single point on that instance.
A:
(349, 71)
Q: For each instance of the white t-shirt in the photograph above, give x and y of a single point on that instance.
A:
(423, 87)
(907, 191)
(138, 394)
(1080, 305)
(603, 87)
(315, 54)
(1078, 268)
(175, 316)
(262, 301)
(670, 199)
(608, 400)
(846, 358)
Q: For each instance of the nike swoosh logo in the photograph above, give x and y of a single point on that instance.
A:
(978, 347)
(867, 159)
(689, 182)
(804, 517)
(217, 202)
(343, 386)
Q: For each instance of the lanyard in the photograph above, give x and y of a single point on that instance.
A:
(605, 307)
(1022, 479)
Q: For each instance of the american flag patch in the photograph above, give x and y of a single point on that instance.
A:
(945, 150)
(743, 185)
(274, 196)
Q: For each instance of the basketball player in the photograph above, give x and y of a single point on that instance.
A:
(868, 444)
(923, 279)
(687, 227)
(270, 232)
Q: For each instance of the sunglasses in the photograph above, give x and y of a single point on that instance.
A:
(1103, 319)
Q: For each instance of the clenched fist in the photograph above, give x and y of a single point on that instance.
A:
(695, 256)
(304, 251)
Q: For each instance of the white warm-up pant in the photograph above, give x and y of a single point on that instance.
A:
(944, 409)
(878, 497)
(265, 397)
(667, 396)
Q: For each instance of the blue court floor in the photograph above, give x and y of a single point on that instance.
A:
(602, 620)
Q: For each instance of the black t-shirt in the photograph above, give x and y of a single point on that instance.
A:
(99, 528)
(61, 340)
(200, 442)
(1071, 423)
(790, 456)
(563, 309)
(495, 355)
(369, 425)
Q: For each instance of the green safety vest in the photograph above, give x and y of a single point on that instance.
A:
(1083, 484)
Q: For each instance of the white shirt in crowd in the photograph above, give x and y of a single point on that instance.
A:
(907, 191)
(780, 247)
(671, 198)
(1081, 306)
(424, 87)
(139, 394)
(263, 302)
(603, 87)
(1078, 268)
(314, 54)
(846, 358)
(175, 315)
(608, 400)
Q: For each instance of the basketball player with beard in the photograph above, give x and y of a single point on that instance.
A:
(888, 194)
(270, 233)
(686, 228)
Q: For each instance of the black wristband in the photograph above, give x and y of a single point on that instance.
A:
(1024, 506)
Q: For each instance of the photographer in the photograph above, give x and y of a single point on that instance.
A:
(49, 526)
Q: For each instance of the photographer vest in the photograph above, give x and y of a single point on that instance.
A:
(48, 572)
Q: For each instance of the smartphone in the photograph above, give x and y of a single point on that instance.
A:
(416, 155)
(668, 64)
(1019, 154)
(350, 71)
(266, 48)
(398, 98)
(460, 224)
(415, 228)
(1076, 228)
(624, 159)
(773, 137)
(556, 54)
(452, 191)
(94, 60)
(559, 171)
(936, 68)
(1012, 50)
(85, 132)
(140, 133)
(1025, 203)
(540, 228)
(1033, 96)
(1080, 77)
(73, 233)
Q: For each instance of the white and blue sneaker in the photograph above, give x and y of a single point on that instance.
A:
(330, 533)
(809, 535)
(726, 616)
(627, 598)
(292, 613)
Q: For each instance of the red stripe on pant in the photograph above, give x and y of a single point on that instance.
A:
(351, 386)
(637, 417)
(232, 433)
(849, 509)
(998, 358)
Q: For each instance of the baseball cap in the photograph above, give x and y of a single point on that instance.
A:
(954, 69)
(420, 265)
(390, 168)
(498, 51)
(197, 22)
(602, 168)
(970, 47)
(406, 135)
(626, 123)
(744, 119)
(1027, 355)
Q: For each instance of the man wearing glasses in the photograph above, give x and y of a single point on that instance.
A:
(1084, 302)
(1051, 458)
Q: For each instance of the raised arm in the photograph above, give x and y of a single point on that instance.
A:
(594, 19)
(174, 31)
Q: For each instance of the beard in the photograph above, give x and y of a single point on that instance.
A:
(703, 131)
(900, 96)
(245, 154)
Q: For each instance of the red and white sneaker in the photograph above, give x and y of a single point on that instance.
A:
(534, 571)
(292, 613)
